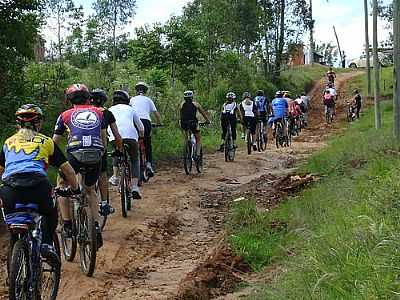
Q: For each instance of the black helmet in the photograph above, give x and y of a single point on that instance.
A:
(246, 95)
(279, 94)
(77, 94)
(29, 115)
(260, 93)
(141, 87)
(188, 95)
(231, 95)
(99, 97)
(121, 96)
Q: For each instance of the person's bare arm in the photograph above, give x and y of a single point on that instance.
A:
(117, 136)
(139, 125)
(57, 138)
(158, 117)
(70, 175)
(104, 137)
(202, 111)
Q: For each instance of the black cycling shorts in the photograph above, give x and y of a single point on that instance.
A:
(192, 125)
(104, 163)
(263, 117)
(92, 172)
(251, 123)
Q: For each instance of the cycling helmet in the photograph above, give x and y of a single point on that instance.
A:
(279, 94)
(260, 93)
(29, 115)
(188, 95)
(141, 87)
(99, 97)
(77, 94)
(246, 95)
(121, 96)
(355, 91)
(231, 95)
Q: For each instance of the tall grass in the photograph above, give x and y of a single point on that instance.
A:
(342, 238)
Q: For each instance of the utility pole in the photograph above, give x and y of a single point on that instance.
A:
(396, 74)
(338, 44)
(378, 122)
(311, 54)
(367, 48)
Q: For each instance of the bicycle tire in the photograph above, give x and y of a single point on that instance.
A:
(128, 181)
(56, 274)
(122, 191)
(103, 219)
(277, 135)
(229, 146)
(69, 245)
(19, 261)
(88, 244)
(199, 162)
(248, 141)
(187, 157)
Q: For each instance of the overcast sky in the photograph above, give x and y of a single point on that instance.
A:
(346, 15)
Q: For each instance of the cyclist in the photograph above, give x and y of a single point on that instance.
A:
(331, 75)
(279, 110)
(329, 101)
(86, 128)
(357, 101)
(189, 121)
(144, 106)
(229, 115)
(248, 110)
(24, 159)
(333, 93)
(262, 107)
(98, 99)
(127, 121)
(307, 106)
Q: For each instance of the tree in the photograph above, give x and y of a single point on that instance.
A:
(113, 14)
(378, 123)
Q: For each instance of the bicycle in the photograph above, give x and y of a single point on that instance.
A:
(189, 153)
(351, 112)
(229, 147)
(281, 139)
(249, 138)
(261, 136)
(329, 114)
(145, 173)
(30, 276)
(83, 222)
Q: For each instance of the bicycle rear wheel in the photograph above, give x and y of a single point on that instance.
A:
(187, 157)
(103, 219)
(50, 280)
(20, 272)
(69, 244)
(123, 188)
(248, 141)
(199, 162)
(88, 242)
(229, 146)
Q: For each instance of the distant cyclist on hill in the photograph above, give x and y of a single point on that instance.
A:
(229, 115)
(188, 117)
(144, 107)
(249, 112)
(357, 100)
(262, 107)
(331, 75)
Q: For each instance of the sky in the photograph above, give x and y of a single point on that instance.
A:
(346, 15)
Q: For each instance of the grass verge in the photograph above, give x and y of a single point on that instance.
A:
(341, 237)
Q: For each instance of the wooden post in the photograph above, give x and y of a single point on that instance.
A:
(367, 48)
(378, 122)
(311, 54)
(338, 44)
(396, 72)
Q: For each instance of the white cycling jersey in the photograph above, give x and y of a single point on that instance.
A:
(248, 108)
(229, 108)
(143, 106)
(126, 119)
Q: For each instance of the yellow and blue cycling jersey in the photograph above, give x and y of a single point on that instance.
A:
(32, 155)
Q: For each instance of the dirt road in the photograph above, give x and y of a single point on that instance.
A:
(178, 223)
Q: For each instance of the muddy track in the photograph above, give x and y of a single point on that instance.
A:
(178, 225)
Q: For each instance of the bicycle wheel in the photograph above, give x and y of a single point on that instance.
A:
(248, 141)
(123, 190)
(277, 135)
(199, 162)
(19, 277)
(229, 146)
(88, 242)
(103, 219)
(69, 244)
(50, 280)
(187, 157)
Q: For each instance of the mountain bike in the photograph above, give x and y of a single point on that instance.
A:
(189, 153)
(329, 114)
(351, 112)
(229, 146)
(145, 173)
(261, 136)
(30, 276)
(281, 139)
(84, 231)
(248, 137)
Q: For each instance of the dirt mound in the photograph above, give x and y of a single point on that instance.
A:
(218, 275)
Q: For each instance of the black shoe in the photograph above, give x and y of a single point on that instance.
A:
(106, 209)
(254, 147)
(67, 230)
(99, 236)
(49, 253)
(136, 193)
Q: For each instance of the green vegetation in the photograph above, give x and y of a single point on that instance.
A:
(360, 82)
(343, 230)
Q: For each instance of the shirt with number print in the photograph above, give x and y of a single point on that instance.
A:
(84, 124)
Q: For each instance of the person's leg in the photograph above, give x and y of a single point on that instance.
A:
(147, 140)
(233, 123)
(91, 177)
(224, 127)
(253, 127)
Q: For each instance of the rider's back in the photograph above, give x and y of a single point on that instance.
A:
(188, 111)
(279, 107)
(143, 106)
